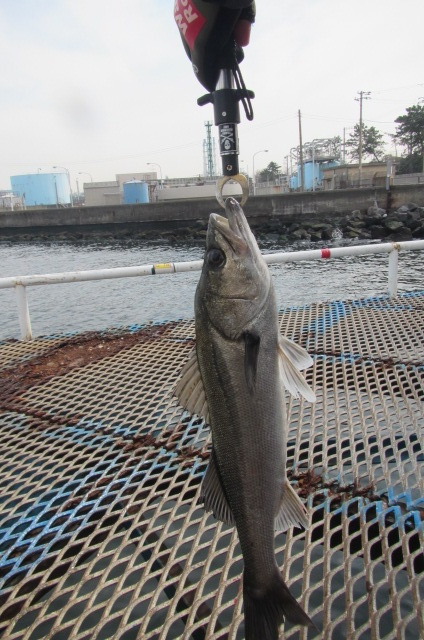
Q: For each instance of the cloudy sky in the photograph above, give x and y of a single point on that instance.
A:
(105, 87)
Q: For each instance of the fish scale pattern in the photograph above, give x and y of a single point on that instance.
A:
(102, 534)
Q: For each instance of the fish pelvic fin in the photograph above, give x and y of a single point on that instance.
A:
(266, 609)
(213, 493)
(292, 360)
(292, 512)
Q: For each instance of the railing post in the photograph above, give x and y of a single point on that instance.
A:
(23, 312)
(393, 270)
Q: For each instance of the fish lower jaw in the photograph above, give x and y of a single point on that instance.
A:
(219, 219)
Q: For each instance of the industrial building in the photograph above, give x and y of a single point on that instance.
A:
(311, 160)
(10, 201)
(111, 192)
(133, 188)
(195, 187)
(345, 176)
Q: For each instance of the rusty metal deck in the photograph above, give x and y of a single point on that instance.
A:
(101, 532)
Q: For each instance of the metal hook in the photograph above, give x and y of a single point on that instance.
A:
(243, 182)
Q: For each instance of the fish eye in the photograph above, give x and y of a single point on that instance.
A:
(215, 258)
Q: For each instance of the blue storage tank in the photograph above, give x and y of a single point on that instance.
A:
(294, 181)
(135, 192)
(312, 175)
(42, 189)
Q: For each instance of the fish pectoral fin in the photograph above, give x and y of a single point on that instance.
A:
(190, 390)
(213, 495)
(292, 359)
(295, 353)
(292, 511)
(251, 351)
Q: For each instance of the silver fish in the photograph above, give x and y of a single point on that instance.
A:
(235, 379)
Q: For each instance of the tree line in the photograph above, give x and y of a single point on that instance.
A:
(409, 135)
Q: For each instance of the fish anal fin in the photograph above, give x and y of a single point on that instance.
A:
(213, 494)
(190, 390)
(292, 512)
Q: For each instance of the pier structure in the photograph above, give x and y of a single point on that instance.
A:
(102, 533)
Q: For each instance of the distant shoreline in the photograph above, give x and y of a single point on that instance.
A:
(406, 223)
(363, 213)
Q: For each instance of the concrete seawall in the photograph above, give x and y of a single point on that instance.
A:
(174, 214)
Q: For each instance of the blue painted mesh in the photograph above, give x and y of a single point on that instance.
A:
(101, 530)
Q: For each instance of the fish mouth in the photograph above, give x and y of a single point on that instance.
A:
(234, 229)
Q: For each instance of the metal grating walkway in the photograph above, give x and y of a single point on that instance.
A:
(101, 533)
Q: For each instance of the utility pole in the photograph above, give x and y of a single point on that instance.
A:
(344, 146)
(420, 102)
(302, 167)
(209, 169)
(287, 171)
(363, 95)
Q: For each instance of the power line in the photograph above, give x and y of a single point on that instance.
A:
(109, 159)
(269, 123)
(389, 99)
(316, 117)
(408, 86)
(380, 121)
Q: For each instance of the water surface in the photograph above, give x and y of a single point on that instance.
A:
(85, 306)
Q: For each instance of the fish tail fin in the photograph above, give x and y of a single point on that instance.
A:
(265, 610)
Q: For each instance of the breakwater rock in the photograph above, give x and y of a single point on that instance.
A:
(275, 227)
(404, 223)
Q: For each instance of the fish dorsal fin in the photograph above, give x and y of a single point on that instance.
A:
(213, 494)
(292, 360)
(292, 511)
(190, 391)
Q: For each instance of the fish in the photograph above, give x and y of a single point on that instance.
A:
(236, 379)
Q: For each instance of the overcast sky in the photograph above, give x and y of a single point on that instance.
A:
(105, 87)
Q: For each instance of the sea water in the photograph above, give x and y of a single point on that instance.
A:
(97, 305)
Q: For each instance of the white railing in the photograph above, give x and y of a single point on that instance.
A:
(20, 283)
